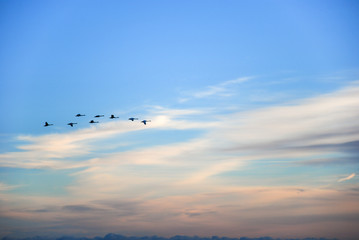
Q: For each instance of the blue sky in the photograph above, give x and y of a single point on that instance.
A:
(254, 109)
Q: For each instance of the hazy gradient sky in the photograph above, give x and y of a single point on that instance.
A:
(254, 108)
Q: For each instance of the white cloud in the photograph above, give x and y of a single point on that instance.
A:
(317, 122)
(61, 150)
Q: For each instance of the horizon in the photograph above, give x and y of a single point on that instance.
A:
(114, 236)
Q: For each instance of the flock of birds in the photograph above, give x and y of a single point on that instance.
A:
(71, 124)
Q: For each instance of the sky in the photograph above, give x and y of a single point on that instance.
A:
(254, 109)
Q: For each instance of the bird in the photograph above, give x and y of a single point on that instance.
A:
(47, 124)
(113, 116)
(92, 121)
(71, 124)
(79, 115)
(97, 116)
(145, 121)
(132, 119)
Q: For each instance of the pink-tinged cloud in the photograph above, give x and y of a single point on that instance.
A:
(347, 178)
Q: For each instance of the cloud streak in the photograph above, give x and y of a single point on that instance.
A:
(347, 178)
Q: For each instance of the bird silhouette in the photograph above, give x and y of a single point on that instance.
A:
(113, 116)
(97, 116)
(145, 121)
(71, 124)
(79, 115)
(92, 121)
(132, 119)
(47, 124)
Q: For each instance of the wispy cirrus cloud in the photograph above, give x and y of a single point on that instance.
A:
(222, 89)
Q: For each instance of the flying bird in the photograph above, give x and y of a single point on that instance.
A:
(112, 116)
(145, 121)
(79, 115)
(92, 121)
(97, 116)
(132, 119)
(71, 124)
(47, 124)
